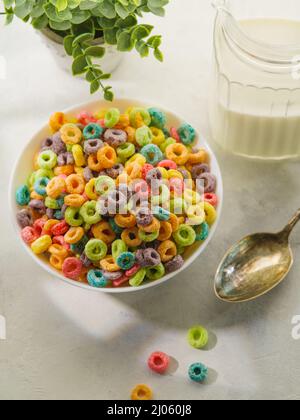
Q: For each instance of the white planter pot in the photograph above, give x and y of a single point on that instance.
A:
(54, 42)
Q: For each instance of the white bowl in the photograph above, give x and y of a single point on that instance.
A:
(23, 168)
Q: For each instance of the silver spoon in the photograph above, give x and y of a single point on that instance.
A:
(255, 265)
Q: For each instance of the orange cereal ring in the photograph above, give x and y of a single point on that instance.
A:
(165, 231)
(174, 222)
(153, 227)
(134, 171)
(64, 170)
(57, 261)
(141, 393)
(58, 250)
(75, 184)
(104, 232)
(181, 220)
(70, 134)
(94, 164)
(108, 264)
(107, 157)
(131, 237)
(200, 157)
(35, 196)
(56, 187)
(74, 235)
(178, 153)
(167, 251)
(57, 120)
(125, 220)
(90, 190)
(123, 122)
(74, 200)
(131, 135)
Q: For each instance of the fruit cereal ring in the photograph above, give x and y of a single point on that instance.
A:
(96, 279)
(155, 273)
(167, 251)
(74, 235)
(41, 245)
(108, 264)
(75, 184)
(141, 393)
(198, 372)
(175, 264)
(131, 237)
(72, 268)
(159, 362)
(178, 153)
(70, 134)
(104, 232)
(92, 131)
(165, 231)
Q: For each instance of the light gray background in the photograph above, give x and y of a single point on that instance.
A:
(65, 343)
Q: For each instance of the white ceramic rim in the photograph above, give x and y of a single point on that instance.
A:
(119, 103)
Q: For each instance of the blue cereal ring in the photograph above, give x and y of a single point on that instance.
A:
(117, 229)
(126, 260)
(187, 134)
(198, 372)
(202, 232)
(152, 154)
(40, 186)
(23, 195)
(92, 131)
(96, 278)
(158, 118)
(161, 214)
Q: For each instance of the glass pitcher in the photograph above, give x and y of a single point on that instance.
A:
(255, 103)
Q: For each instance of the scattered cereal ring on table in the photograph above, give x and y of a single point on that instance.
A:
(115, 199)
(198, 372)
(141, 393)
(159, 362)
(198, 337)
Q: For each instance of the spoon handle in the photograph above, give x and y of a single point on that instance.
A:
(292, 223)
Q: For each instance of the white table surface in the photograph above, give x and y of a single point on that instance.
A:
(66, 343)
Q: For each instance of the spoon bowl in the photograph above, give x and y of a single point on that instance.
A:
(255, 265)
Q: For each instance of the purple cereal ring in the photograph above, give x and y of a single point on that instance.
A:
(87, 174)
(85, 261)
(58, 145)
(47, 144)
(38, 206)
(112, 275)
(50, 213)
(115, 137)
(200, 169)
(24, 218)
(65, 159)
(144, 217)
(153, 175)
(210, 182)
(115, 171)
(92, 146)
(184, 173)
(148, 257)
(175, 264)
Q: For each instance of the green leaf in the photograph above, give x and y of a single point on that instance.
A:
(60, 26)
(80, 16)
(107, 9)
(108, 95)
(139, 33)
(79, 65)
(80, 39)
(142, 48)
(95, 86)
(61, 5)
(154, 41)
(125, 42)
(40, 22)
(9, 18)
(158, 55)
(121, 11)
(95, 51)
(110, 36)
(68, 44)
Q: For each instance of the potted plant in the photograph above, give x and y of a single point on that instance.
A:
(88, 29)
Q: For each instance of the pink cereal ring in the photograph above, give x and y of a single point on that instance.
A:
(175, 135)
(159, 362)
(142, 189)
(120, 282)
(72, 268)
(85, 118)
(167, 164)
(60, 229)
(29, 235)
(176, 186)
(211, 198)
(59, 240)
(132, 271)
(145, 169)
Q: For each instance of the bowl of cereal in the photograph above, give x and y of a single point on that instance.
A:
(116, 199)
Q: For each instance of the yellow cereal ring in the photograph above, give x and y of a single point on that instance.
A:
(158, 136)
(165, 231)
(74, 200)
(57, 120)
(167, 251)
(90, 190)
(123, 122)
(210, 212)
(131, 237)
(74, 235)
(137, 158)
(141, 392)
(134, 170)
(41, 245)
(104, 232)
(178, 153)
(200, 157)
(57, 261)
(56, 187)
(108, 264)
(70, 134)
(125, 220)
(58, 250)
(172, 173)
(131, 135)
(78, 155)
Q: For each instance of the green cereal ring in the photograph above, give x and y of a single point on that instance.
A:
(180, 249)
(104, 185)
(138, 278)
(187, 134)
(158, 118)
(198, 337)
(95, 249)
(118, 247)
(47, 159)
(143, 136)
(185, 235)
(125, 151)
(135, 112)
(51, 203)
(163, 197)
(112, 117)
(202, 231)
(89, 213)
(43, 173)
(155, 273)
(177, 205)
(73, 217)
(152, 153)
(167, 143)
(148, 237)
